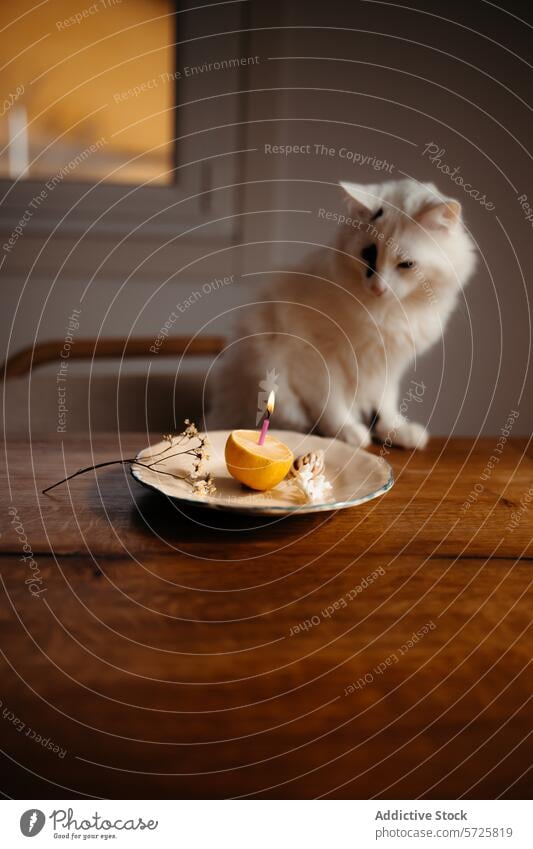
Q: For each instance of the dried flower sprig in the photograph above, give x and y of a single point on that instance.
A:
(204, 486)
(192, 443)
(197, 446)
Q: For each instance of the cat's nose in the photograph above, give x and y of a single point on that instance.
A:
(379, 287)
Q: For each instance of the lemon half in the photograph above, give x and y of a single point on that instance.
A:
(258, 466)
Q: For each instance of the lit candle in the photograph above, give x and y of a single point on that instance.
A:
(266, 420)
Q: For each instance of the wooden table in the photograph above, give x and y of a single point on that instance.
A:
(174, 655)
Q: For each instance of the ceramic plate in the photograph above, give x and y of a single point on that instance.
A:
(355, 475)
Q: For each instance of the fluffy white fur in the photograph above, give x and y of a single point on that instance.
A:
(341, 330)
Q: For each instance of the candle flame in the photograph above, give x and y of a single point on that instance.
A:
(271, 402)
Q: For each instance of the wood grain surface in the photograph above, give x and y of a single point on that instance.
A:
(379, 651)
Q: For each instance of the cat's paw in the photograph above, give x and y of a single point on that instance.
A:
(355, 433)
(410, 435)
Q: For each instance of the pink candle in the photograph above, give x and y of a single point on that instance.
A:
(266, 420)
(264, 429)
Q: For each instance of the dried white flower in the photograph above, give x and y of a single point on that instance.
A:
(199, 487)
(191, 430)
(204, 486)
(312, 487)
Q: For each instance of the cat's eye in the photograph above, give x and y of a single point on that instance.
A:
(377, 214)
(407, 264)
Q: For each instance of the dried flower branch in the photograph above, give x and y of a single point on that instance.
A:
(201, 482)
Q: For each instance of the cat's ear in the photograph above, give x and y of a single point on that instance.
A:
(439, 215)
(360, 198)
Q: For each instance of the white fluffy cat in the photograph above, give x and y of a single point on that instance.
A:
(341, 330)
